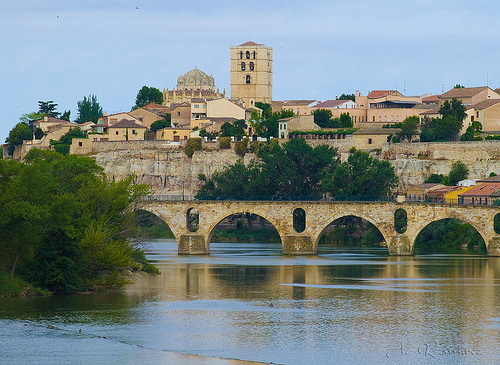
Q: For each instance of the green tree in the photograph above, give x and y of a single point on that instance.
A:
(235, 129)
(323, 117)
(64, 143)
(29, 118)
(48, 108)
(409, 127)
(294, 169)
(454, 108)
(160, 124)
(347, 97)
(148, 95)
(458, 86)
(64, 226)
(89, 110)
(473, 132)
(458, 172)
(361, 176)
(21, 132)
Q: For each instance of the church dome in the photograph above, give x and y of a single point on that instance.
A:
(194, 80)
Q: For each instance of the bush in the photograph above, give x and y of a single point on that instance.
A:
(241, 147)
(192, 144)
(224, 143)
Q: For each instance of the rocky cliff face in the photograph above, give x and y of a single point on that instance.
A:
(167, 172)
(170, 172)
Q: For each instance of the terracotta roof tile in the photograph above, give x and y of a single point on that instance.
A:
(465, 92)
(486, 104)
(375, 94)
(248, 44)
(125, 123)
(484, 189)
(298, 102)
(330, 103)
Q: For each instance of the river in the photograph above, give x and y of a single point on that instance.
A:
(246, 302)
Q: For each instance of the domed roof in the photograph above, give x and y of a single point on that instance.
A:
(195, 79)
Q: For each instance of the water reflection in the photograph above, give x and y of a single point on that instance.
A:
(249, 302)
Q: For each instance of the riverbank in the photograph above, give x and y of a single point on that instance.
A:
(12, 286)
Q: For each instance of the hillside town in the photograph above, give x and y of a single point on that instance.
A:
(196, 108)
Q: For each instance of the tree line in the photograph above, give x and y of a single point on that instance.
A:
(296, 169)
(64, 226)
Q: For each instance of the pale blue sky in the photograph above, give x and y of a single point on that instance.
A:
(63, 50)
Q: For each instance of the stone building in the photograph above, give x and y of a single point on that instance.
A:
(252, 73)
(193, 84)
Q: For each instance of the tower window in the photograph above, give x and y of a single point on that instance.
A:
(243, 66)
(248, 55)
(241, 55)
(251, 66)
(254, 55)
(248, 79)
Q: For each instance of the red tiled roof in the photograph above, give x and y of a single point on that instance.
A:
(484, 189)
(431, 99)
(486, 104)
(298, 102)
(330, 103)
(125, 123)
(465, 92)
(375, 94)
(250, 43)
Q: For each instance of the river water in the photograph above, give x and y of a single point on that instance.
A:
(247, 302)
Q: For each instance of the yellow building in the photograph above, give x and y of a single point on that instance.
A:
(172, 134)
(300, 107)
(202, 110)
(251, 71)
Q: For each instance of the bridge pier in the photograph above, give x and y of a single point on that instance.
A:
(400, 246)
(298, 244)
(493, 247)
(192, 244)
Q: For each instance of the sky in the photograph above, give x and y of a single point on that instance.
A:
(63, 50)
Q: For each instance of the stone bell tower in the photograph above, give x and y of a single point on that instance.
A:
(252, 73)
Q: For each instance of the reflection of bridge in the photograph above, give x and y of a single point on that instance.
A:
(318, 215)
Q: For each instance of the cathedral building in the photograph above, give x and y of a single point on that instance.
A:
(193, 84)
(252, 73)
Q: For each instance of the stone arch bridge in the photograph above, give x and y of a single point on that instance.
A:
(318, 215)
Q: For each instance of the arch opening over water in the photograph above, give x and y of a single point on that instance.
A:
(350, 231)
(447, 235)
(244, 228)
(151, 225)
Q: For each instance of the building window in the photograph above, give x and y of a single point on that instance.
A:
(397, 118)
(471, 118)
(243, 66)
(254, 55)
(373, 118)
(251, 66)
(204, 106)
(248, 79)
(380, 118)
(178, 114)
(116, 132)
(196, 106)
(248, 55)
(369, 141)
(477, 115)
(80, 144)
(241, 55)
(133, 131)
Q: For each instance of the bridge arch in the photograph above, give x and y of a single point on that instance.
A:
(213, 225)
(160, 214)
(386, 232)
(420, 226)
(436, 233)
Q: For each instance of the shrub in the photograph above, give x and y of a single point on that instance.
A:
(240, 148)
(192, 144)
(224, 143)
